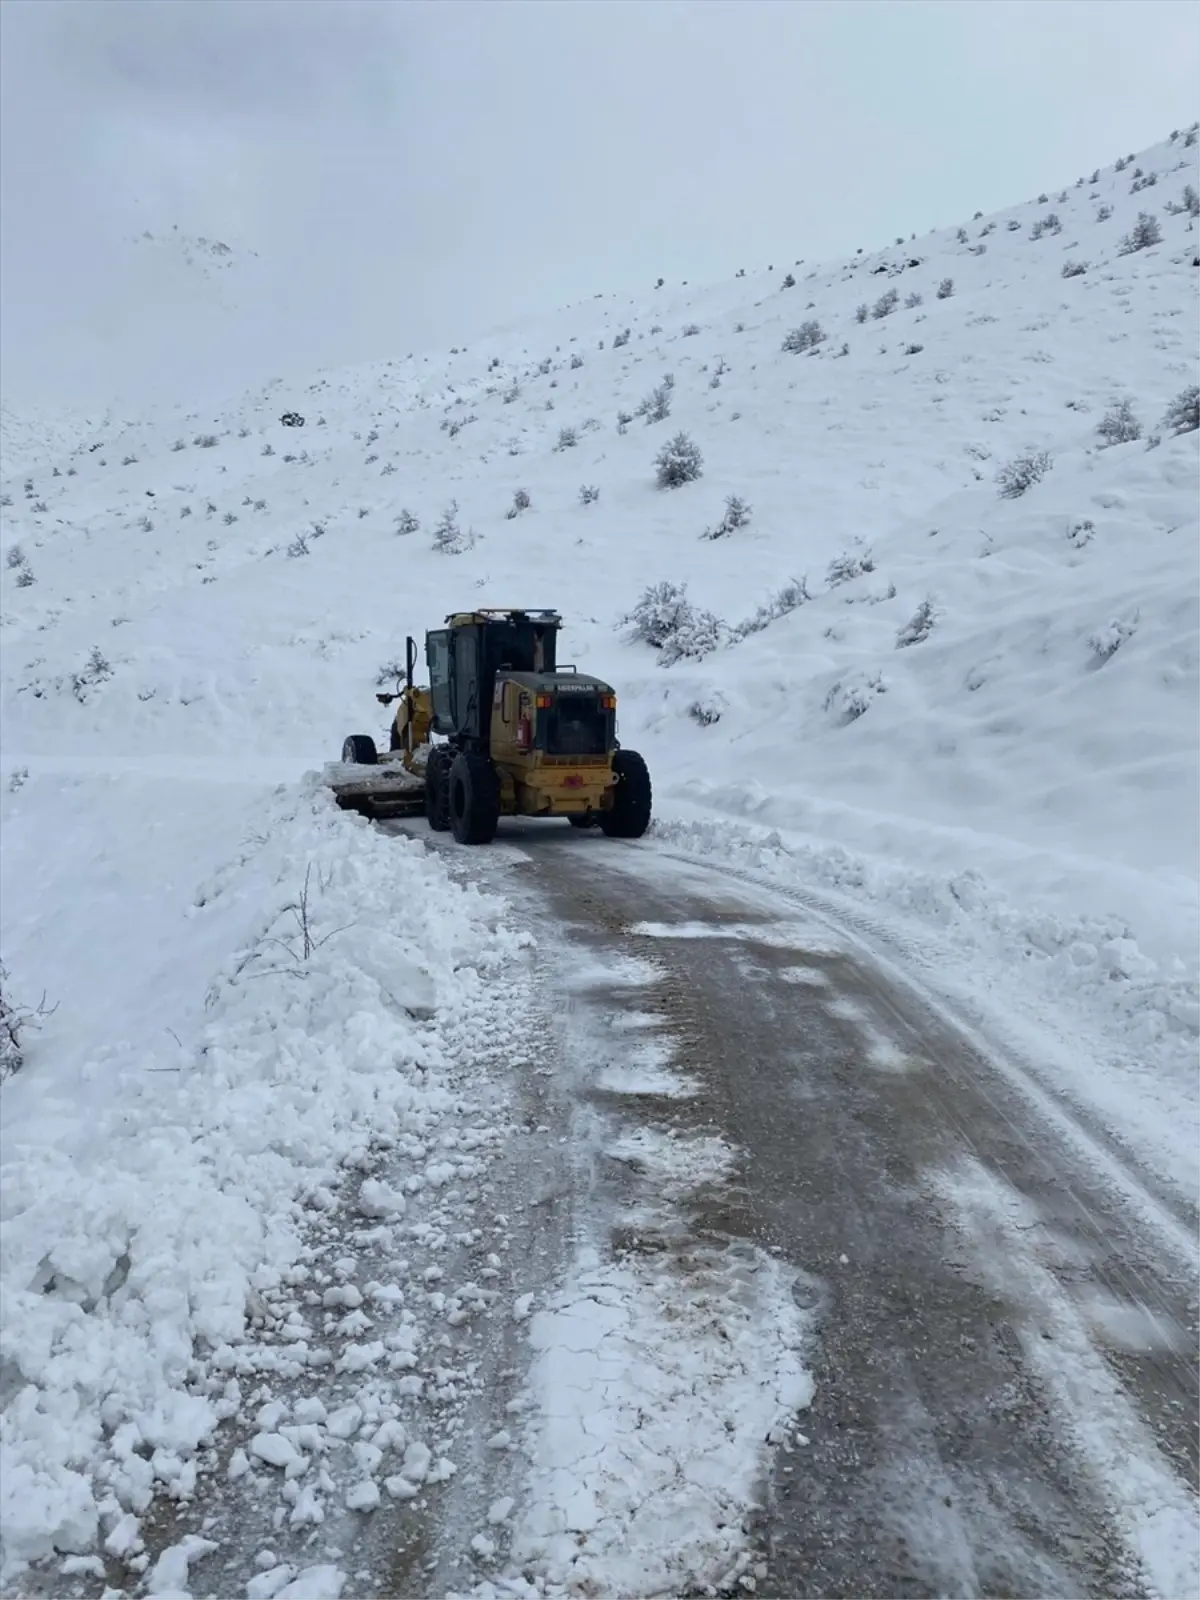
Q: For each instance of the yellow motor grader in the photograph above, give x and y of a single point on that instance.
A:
(501, 730)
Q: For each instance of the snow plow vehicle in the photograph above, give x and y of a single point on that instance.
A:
(501, 730)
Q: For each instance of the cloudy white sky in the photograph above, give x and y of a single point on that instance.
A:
(413, 172)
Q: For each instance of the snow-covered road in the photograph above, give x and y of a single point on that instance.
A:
(753, 1258)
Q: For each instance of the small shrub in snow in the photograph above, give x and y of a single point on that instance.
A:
(298, 546)
(788, 283)
(843, 350)
(1082, 532)
(1183, 414)
(848, 700)
(1146, 182)
(229, 518)
(128, 461)
(844, 568)
(25, 578)
(205, 441)
(15, 557)
(1142, 236)
(945, 289)
(1022, 472)
(791, 597)
(705, 712)
(913, 349)
(18, 780)
(918, 627)
(210, 507)
(267, 450)
(512, 393)
(319, 530)
(912, 301)
(1189, 203)
(691, 329)
(447, 536)
(185, 511)
(1103, 213)
(621, 339)
(521, 502)
(737, 515)
(95, 670)
(1189, 138)
(17, 1021)
(179, 445)
(862, 312)
(806, 337)
(1118, 425)
(544, 367)
(656, 407)
(1013, 225)
(886, 304)
(588, 494)
(1105, 642)
(1042, 198)
(678, 462)
(407, 523)
(1073, 269)
(39, 507)
(568, 438)
(576, 362)
(961, 236)
(624, 418)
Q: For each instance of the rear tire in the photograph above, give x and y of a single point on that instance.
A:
(474, 796)
(359, 751)
(630, 814)
(437, 790)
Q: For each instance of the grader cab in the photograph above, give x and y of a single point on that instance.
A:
(516, 735)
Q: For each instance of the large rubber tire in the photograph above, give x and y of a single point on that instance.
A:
(474, 798)
(437, 789)
(359, 750)
(630, 814)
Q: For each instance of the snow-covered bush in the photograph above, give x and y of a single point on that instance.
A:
(447, 536)
(1144, 233)
(705, 712)
(678, 462)
(576, 362)
(1022, 472)
(1118, 425)
(15, 557)
(1106, 641)
(511, 394)
(589, 493)
(16, 1022)
(1183, 414)
(886, 304)
(520, 502)
(656, 407)
(913, 349)
(207, 441)
(1103, 213)
(844, 568)
(298, 546)
(912, 301)
(736, 515)
(862, 312)
(1013, 225)
(568, 438)
(1044, 225)
(95, 670)
(961, 236)
(1187, 205)
(806, 337)
(1073, 269)
(1145, 182)
(790, 598)
(851, 698)
(918, 627)
(624, 418)
(945, 289)
(788, 283)
(690, 330)
(406, 522)
(1082, 532)
(621, 339)
(665, 619)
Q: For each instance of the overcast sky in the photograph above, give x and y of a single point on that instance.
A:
(413, 172)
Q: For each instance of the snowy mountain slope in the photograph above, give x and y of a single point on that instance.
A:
(196, 606)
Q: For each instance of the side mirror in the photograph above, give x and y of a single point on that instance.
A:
(385, 699)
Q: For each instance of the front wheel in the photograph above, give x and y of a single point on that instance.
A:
(474, 798)
(359, 751)
(629, 816)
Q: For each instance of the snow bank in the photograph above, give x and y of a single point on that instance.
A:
(126, 1272)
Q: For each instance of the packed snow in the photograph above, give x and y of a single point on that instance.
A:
(912, 620)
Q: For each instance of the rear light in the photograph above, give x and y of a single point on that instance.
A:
(609, 702)
(544, 702)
